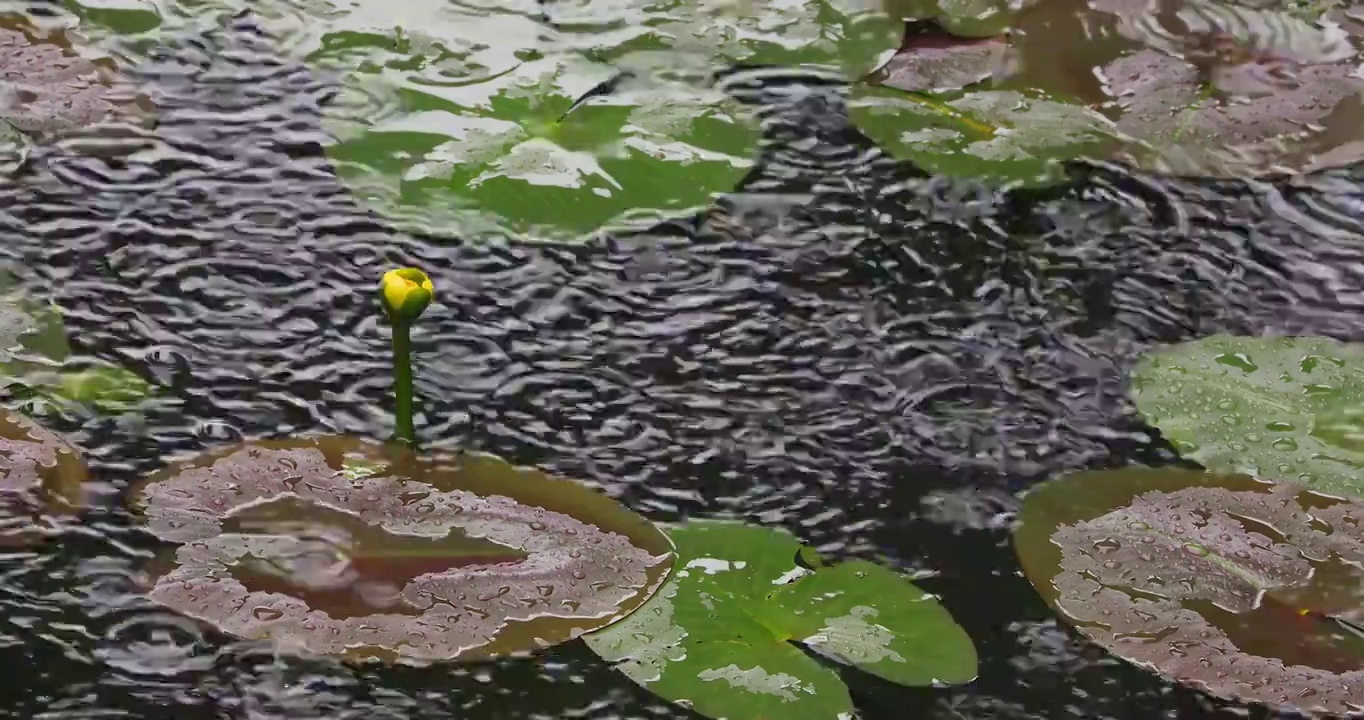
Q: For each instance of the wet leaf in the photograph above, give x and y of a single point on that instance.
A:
(1228, 34)
(511, 149)
(992, 134)
(719, 635)
(339, 546)
(1250, 120)
(934, 61)
(1222, 582)
(856, 36)
(44, 87)
(41, 476)
(1276, 408)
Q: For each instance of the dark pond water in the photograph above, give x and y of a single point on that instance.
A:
(870, 357)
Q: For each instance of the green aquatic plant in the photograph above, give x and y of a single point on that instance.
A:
(536, 151)
(405, 294)
(36, 362)
(1000, 135)
(1279, 408)
(722, 635)
(1246, 589)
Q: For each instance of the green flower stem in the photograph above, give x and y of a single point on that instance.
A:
(405, 432)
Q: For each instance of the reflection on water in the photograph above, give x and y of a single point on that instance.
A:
(345, 566)
(821, 351)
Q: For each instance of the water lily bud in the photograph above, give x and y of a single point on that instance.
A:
(406, 293)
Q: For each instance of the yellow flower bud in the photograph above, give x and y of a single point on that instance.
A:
(406, 293)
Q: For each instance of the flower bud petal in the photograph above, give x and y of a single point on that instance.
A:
(406, 293)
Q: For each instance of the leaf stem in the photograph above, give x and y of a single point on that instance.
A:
(405, 431)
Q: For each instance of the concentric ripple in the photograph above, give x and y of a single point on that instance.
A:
(837, 341)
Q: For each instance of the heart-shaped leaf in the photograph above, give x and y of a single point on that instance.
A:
(1284, 408)
(1236, 586)
(719, 636)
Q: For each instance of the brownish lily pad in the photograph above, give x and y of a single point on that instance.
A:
(1248, 590)
(933, 60)
(39, 473)
(1242, 118)
(45, 86)
(340, 546)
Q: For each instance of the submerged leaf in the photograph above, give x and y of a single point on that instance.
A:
(1275, 408)
(378, 553)
(1219, 581)
(719, 636)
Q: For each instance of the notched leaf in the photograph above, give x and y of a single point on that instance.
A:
(1217, 581)
(332, 546)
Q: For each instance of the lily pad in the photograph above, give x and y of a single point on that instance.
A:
(1282, 408)
(44, 86)
(856, 36)
(1236, 586)
(996, 134)
(39, 474)
(934, 61)
(344, 547)
(517, 148)
(719, 636)
(1251, 119)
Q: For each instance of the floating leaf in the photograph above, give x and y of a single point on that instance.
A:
(1218, 130)
(1222, 582)
(992, 134)
(44, 87)
(511, 148)
(856, 36)
(719, 636)
(1212, 31)
(343, 547)
(934, 61)
(1275, 408)
(39, 473)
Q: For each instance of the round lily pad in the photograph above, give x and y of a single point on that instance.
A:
(1278, 408)
(721, 636)
(520, 151)
(39, 472)
(995, 134)
(345, 547)
(1248, 590)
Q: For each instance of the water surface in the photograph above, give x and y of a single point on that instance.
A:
(867, 355)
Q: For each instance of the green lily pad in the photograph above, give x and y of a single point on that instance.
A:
(517, 149)
(856, 36)
(1276, 408)
(1246, 589)
(1000, 135)
(720, 635)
